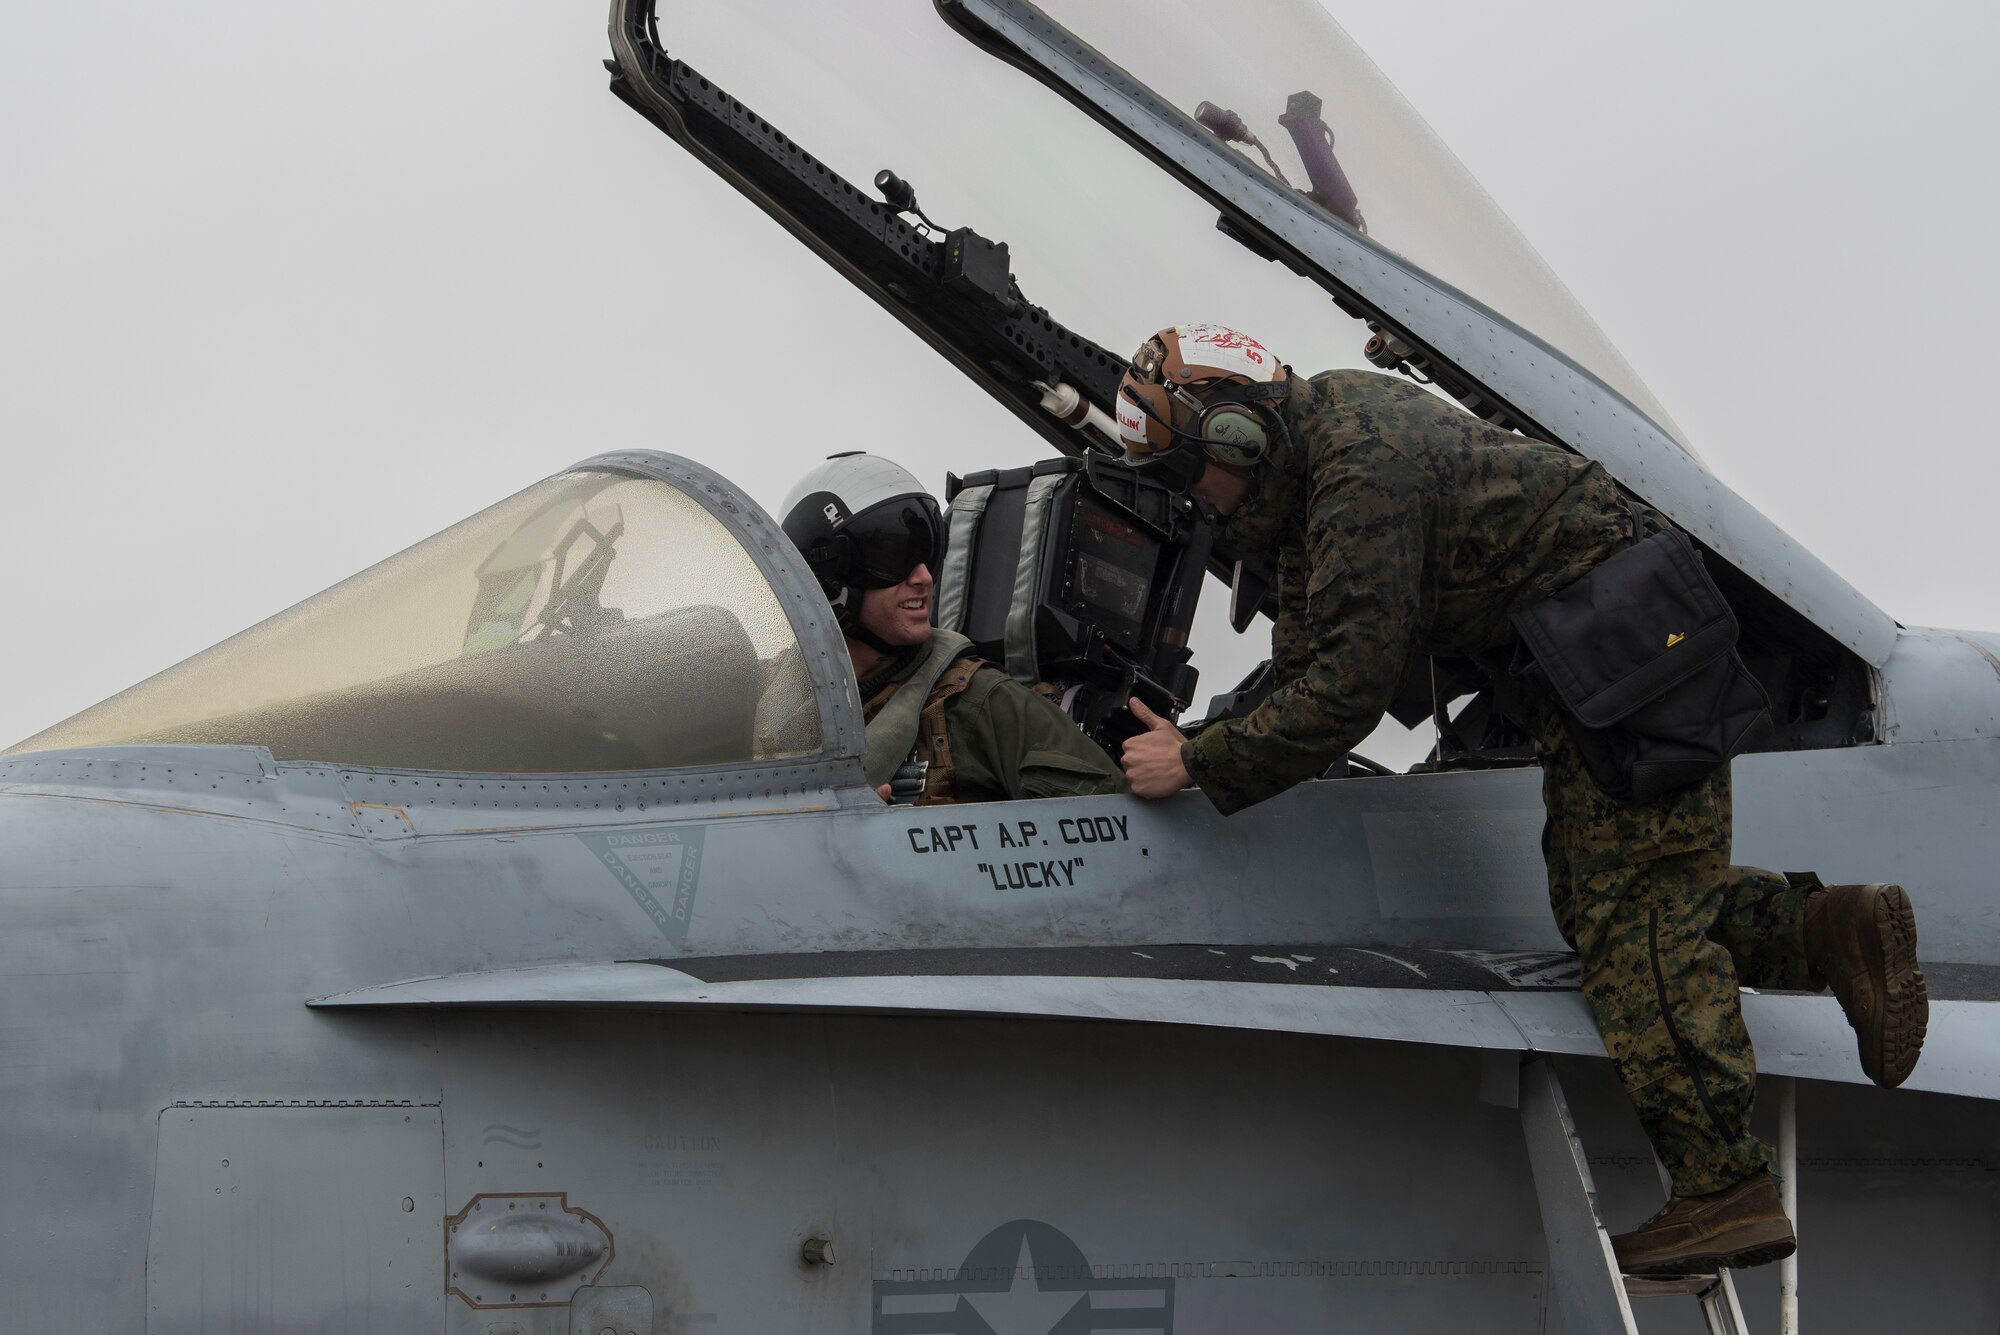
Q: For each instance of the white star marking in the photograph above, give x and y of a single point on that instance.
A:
(1024, 1309)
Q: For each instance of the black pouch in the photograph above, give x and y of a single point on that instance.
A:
(1641, 654)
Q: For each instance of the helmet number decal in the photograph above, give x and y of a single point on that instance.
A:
(1226, 349)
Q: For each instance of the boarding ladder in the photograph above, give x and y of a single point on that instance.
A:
(1583, 1276)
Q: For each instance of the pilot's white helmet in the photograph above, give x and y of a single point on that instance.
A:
(862, 522)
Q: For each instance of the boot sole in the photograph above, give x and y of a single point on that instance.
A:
(1762, 1246)
(1898, 1039)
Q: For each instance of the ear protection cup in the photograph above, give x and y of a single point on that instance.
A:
(1233, 433)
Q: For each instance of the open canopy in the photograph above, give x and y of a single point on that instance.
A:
(1085, 220)
(1256, 165)
(1292, 93)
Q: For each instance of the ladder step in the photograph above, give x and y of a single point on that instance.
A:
(1671, 1286)
(1720, 1311)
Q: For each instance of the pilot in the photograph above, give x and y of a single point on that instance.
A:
(1399, 524)
(943, 725)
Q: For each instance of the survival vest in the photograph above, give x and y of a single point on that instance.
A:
(905, 719)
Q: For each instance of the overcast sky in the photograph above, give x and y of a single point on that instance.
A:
(286, 289)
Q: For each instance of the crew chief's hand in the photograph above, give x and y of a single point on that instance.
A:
(1152, 759)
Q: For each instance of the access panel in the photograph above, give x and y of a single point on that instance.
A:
(293, 1218)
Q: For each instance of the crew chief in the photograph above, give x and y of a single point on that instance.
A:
(1400, 524)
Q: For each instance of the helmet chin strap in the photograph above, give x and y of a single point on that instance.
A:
(847, 615)
(862, 635)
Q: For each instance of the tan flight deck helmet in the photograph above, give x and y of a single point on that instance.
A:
(1198, 392)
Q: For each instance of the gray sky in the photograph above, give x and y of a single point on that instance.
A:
(285, 290)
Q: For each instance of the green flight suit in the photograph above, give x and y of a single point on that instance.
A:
(1401, 524)
(1006, 741)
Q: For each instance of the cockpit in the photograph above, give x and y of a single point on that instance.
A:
(614, 617)
(638, 612)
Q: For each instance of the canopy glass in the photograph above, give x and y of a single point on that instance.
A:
(1108, 242)
(592, 622)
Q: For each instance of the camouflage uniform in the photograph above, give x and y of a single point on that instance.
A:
(1005, 740)
(1402, 525)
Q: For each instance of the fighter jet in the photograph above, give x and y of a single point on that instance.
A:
(507, 940)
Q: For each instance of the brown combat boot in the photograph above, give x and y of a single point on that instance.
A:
(1863, 940)
(1741, 1225)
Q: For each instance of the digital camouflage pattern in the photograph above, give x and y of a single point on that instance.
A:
(1666, 931)
(1006, 741)
(1398, 523)
(1401, 524)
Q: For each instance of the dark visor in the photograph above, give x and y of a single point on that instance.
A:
(893, 539)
